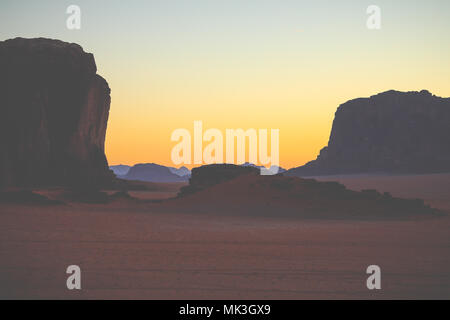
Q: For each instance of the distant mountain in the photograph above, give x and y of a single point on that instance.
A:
(120, 169)
(265, 171)
(391, 132)
(183, 171)
(154, 173)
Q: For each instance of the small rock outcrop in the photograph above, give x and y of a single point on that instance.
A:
(54, 112)
(392, 132)
(209, 175)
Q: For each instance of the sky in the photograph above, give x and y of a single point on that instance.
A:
(231, 64)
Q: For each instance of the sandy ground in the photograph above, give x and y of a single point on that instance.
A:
(433, 188)
(128, 250)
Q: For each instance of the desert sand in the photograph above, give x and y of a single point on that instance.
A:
(148, 251)
(433, 188)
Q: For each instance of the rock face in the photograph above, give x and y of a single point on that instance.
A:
(54, 113)
(392, 132)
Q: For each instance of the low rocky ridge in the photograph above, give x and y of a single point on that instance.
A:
(232, 190)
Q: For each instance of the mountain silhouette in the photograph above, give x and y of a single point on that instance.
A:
(153, 173)
(182, 172)
(120, 170)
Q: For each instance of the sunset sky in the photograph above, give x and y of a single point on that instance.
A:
(283, 65)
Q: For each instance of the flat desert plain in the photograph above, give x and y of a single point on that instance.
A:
(129, 250)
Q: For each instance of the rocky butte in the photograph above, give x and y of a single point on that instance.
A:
(54, 111)
(391, 133)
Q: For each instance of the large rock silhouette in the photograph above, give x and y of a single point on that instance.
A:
(54, 113)
(392, 132)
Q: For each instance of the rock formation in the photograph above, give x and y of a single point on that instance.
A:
(54, 112)
(209, 175)
(392, 132)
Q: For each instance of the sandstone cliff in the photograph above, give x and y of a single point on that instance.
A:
(392, 132)
(54, 112)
